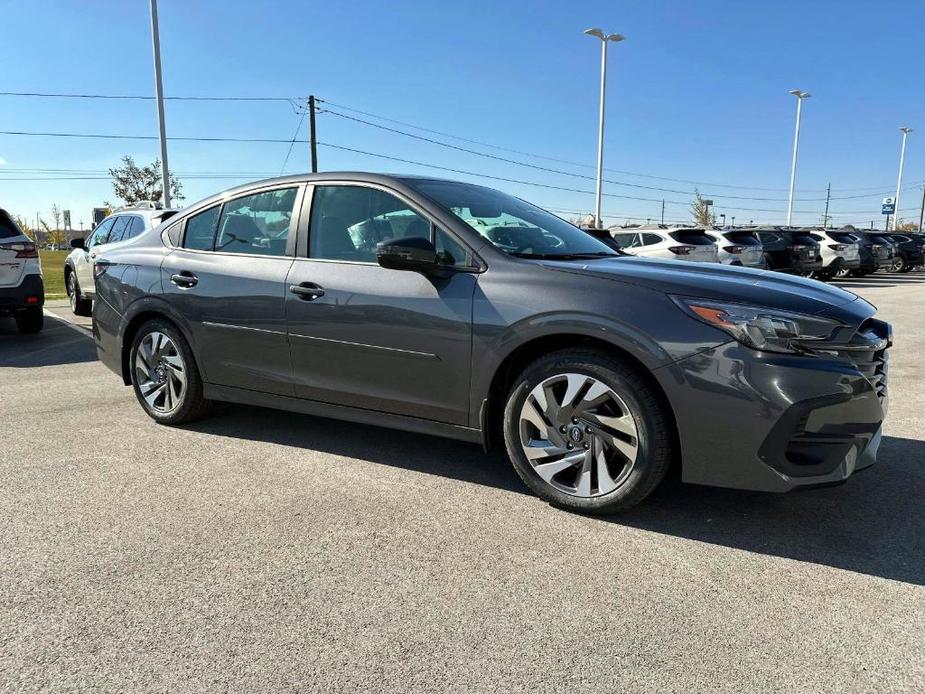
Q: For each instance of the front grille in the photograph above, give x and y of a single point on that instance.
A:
(869, 351)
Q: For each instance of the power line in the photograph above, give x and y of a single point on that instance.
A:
(144, 97)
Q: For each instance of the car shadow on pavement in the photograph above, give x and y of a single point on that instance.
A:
(58, 343)
(873, 524)
(417, 452)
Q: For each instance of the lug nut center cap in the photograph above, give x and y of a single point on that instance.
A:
(575, 434)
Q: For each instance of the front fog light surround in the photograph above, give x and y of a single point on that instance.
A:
(760, 327)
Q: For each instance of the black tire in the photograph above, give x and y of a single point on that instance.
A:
(655, 438)
(30, 320)
(79, 305)
(193, 405)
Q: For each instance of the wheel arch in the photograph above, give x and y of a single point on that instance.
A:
(135, 319)
(522, 356)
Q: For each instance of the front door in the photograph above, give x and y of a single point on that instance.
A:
(365, 336)
(229, 281)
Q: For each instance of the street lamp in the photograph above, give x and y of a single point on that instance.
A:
(723, 216)
(800, 95)
(899, 181)
(600, 136)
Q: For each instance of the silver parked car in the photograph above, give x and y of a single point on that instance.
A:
(739, 247)
(120, 227)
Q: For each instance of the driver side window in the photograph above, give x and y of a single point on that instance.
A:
(101, 233)
(348, 222)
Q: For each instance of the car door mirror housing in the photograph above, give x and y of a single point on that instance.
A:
(414, 253)
(78, 243)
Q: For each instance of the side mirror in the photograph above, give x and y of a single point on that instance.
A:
(413, 253)
(78, 243)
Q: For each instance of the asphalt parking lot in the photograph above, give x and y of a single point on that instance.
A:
(261, 550)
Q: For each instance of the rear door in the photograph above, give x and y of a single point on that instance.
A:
(228, 281)
(11, 245)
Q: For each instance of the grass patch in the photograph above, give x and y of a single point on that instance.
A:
(53, 273)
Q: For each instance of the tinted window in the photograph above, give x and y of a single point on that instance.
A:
(8, 227)
(510, 224)
(651, 239)
(136, 227)
(742, 238)
(200, 230)
(119, 228)
(804, 239)
(101, 233)
(174, 234)
(841, 237)
(692, 238)
(257, 224)
(349, 221)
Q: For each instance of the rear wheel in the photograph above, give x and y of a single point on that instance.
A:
(897, 265)
(842, 273)
(164, 374)
(30, 320)
(79, 305)
(586, 432)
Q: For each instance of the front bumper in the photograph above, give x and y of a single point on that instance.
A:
(772, 422)
(30, 293)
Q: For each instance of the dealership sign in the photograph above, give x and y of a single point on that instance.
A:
(889, 206)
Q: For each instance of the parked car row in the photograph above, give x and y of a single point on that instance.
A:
(809, 252)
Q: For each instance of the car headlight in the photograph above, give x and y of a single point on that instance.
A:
(759, 327)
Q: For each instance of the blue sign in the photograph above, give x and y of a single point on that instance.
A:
(889, 206)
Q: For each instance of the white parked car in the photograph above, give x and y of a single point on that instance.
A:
(840, 253)
(660, 241)
(22, 288)
(738, 247)
(118, 228)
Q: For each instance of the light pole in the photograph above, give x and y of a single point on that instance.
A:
(800, 95)
(600, 136)
(899, 181)
(723, 217)
(159, 89)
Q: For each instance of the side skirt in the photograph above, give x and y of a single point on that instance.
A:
(343, 412)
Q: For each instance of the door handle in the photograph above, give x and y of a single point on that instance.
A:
(184, 279)
(307, 291)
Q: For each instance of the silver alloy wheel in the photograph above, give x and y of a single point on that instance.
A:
(160, 372)
(842, 272)
(579, 435)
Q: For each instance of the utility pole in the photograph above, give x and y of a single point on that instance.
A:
(825, 216)
(159, 88)
(663, 211)
(922, 211)
(312, 140)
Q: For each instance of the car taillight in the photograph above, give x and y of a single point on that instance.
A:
(798, 247)
(681, 250)
(734, 249)
(838, 247)
(23, 249)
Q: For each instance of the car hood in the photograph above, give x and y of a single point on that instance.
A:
(715, 281)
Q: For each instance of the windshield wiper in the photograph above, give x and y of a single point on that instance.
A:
(567, 256)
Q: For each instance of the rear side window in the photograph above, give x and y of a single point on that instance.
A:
(804, 240)
(119, 228)
(257, 224)
(651, 239)
(842, 237)
(8, 228)
(200, 230)
(136, 226)
(691, 238)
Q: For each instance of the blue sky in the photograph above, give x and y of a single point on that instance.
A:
(697, 93)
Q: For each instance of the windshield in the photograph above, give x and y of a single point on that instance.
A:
(512, 225)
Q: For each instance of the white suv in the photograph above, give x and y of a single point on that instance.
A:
(839, 251)
(738, 247)
(22, 290)
(120, 227)
(660, 241)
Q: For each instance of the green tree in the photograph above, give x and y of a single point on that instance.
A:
(132, 183)
(700, 210)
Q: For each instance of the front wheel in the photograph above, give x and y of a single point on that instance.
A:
(79, 305)
(586, 432)
(164, 374)
(897, 265)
